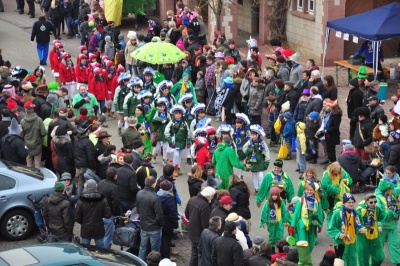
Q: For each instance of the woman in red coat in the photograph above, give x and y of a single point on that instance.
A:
(55, 61)
(98, 86)
(202, 153)
(67, 76)
(82, 71)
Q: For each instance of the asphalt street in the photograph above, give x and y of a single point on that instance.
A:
(16, 46)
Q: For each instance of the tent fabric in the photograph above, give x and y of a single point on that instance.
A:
(378, 24)
(113, 11)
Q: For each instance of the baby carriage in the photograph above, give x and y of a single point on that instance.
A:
(127, 233)
(38, 206)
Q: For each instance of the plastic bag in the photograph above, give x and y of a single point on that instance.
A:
(283, 151)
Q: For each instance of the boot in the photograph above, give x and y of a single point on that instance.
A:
(176, 171)
(108, 112)
(189, 161)
(154, 159)
(113, 115)
(314, 159)
(179, 171)
(288, 157)
(119, 131)
(104, 124)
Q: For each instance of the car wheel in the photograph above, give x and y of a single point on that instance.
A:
(16, 225)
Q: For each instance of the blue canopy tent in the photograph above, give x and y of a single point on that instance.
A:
(376, 25)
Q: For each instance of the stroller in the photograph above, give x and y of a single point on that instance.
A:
(127, 232)
(38, 206)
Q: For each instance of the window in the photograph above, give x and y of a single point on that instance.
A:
(300, 5)
(304, 9)
(6, 183)
(311, 7)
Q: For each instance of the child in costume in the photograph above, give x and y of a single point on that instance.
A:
(177, 134)
(159, 118)
(120, 93)
(82, 71)
(97, 86)
(55, 61)
(308, 216)
(131, 99)
(143, 127)
(184, 86)
(186, 101)
(257, 155)
(212, 139)
(163, 90)
(369, 245)
(148, 83)
(274, 216)
(301, 147)
(310, 176)
(200, 120)
(67, 75)
(226, 130)
(144, 97)
(240, 137)
(201, 151)
(343, 227)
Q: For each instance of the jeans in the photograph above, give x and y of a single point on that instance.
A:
(211, 100)
(68, 21)
(109, 227)
(98, 242)
(194, 257)
(21, 5)
(300, 158)
(155, 241)
(43, 51)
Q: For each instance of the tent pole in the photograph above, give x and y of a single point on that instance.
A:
(327, 31)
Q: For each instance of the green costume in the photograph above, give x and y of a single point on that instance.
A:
(389, 225)
(130, 103)
(274, 217)
(321, 196)
(181, 88)
(177, 133)
(78, 102)
(240, 137)
(257, 155)
(224, 159)
(333, 188)
(307, 218)
(369, 245)
(144, 129)
(281, 180)
(350, 228)
(120, 92)
(159, 121)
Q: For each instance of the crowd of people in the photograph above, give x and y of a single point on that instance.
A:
(161, 110)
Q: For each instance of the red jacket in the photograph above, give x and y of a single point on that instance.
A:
(203, 156)
(113, 85)
(51, 53)
(55, 61)
(66, 75)
(82, 74)
(99, 89)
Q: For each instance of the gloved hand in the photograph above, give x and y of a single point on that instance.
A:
(319, 230)
(291, 230)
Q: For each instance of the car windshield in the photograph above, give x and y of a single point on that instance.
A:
(19, 168)
(111, 258)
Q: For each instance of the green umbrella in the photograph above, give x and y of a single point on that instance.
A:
(158, 53)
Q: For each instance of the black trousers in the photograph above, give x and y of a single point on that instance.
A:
(31, 6)
(331, 149)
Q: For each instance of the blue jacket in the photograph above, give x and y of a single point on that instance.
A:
(288, 130)
(170, 212)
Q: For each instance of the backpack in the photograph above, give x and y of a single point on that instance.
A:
(180, 44)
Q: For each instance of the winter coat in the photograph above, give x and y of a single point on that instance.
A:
(98, 87)
(177, 134)
(354, 100)
(65, 154)
(280, 97)
(315, 104)
(194, 185)
(229, 96)
(57, 214)
(393, 157)
(55, 62)
(312, 127)
(202, 156)
(144, 171)
(42, 30)
(244, 89)
(127, 184)
(137, 160)
(82, 73)
(170, 213)
(67, 74)
(45, 110)
(366, 128)
(130, 48)
(296, 74)
(13, 149)
(220, 212)
(33, 132)
(319, 84)
(79, 101)
(207, 240)
(200, 87)
(283, 72)
(300, 110)
(61, 120)
(91, 208)
(331, 94)
(332, 133)
(38, 102)
(293, 99)
(240, 194)
(150, 210)
(198, 212)
(376, 112)
(130, 103)
(101, 167)
(255, 100)
(259, 260)
(93, 43)
(227, 251)
(4, 124)
(109, 189)
(351, 162)
(85, 154)
(289, 130)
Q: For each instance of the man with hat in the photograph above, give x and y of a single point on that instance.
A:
(363, 132)
(375, 109)
(224, 208)
(301, 106)
(291, 95)
(343, 227)
(12, 146)
(33, 132)
(369, 245)
(226, 249)
(57, 214)
(387, 196)
(207, 240)
(371, 89)
(101, 147)
(137, 150)
(130, 134)
(276, 178)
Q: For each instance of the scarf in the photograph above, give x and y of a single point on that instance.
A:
(201, 123)
(100, 78)
(310, 202)
(238, 136)
(148, 85)
(69, 64)
(212, 144)
(272, 213)
(256, 146)
(146, 107)
(369, 223)
(349, 223)
(140, 119)
(82, 65)
(162, 115)
(327, 120)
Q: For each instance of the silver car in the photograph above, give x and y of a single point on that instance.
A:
(16, 183)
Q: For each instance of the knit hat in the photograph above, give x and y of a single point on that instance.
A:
(348, 147)
(166, 262)
(306, 92)
(369, 195)
(278, 162)
(274, 191)
(185, 20)
(243, 63)
(83, 111)
(166, 185)
(280, 59)
(285, 106)
(314, 115)
(226, 200)
(11, 104)
(53, 86)
(347, 197)
(14, 128)
(59, 186)
(292, 254)
(258, 240)
(288, 115)
(383, 118)
(137, 143)
(42, 90)
(52, 98)
(90, 186)
(385, 185)
(65, 176)
(353, 82)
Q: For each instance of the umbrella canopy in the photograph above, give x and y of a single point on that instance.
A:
(158, 53)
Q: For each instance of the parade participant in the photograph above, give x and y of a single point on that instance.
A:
(131, 99)
(186, 101)
(120, 92)
(55, 61)
(226, 131)
(257, 155)
(98, 86)
(308, 217)
(369, 245)
(202, 154)
(85, 99)
(276, 178)
(200, 120)
(158, 124)
(310, 176)
(36, 77)
(67, 76)
(240, 137)
(274, 216)
(163, 90)
(335, 181)
(111, 85)
(82, 70)
(144, 97)
(177, 134)
(184, 86)
(388, 202)
(143, 127)
(212, 139)
(225, 158)
(343, 227)
(148, 82)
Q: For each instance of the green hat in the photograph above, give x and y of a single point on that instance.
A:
(362, 72)
(59, 186)
(385, 185)
(53, 86)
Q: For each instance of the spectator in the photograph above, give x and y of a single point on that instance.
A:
(332, 130)
(137, 151)
(57, 214)
(198, 212)
(207, 240)
(64, 150)
(303, 82)
(232, 53)
(41, 30)
(256, 94)
(301, 106)
(168, 175)
(351, 162)
(296, 70)
(371, 90)
(281, 253)
(240, 235)
(376, 109)
(393, 157)
(153, 259)
(150, 210)
(240, 194)
(315, 103)
(127, 184)
(226, 250)
(91, 208)
(312, 126)
(316, 81)
(195, 180)
(363, 132)
(145, 170)
(331, 89)
(354, 100)
(264, 257)
(283, 72)
(102, 146)
(130, 134)
(253, 251)
(225, 206)
(12, 145)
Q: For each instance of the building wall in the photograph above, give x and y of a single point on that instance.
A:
(245, 16)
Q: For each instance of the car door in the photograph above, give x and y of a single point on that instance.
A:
(8, 190)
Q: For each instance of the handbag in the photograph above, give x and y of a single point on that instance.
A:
(283, 151)
(128, 235)
(370, 148)
(320, 134)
